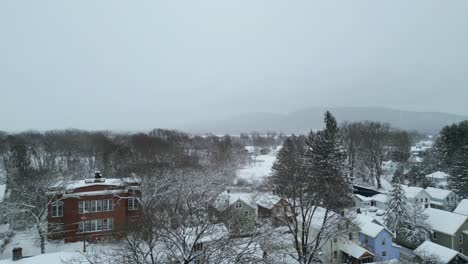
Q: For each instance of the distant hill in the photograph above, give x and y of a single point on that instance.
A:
(304, 120)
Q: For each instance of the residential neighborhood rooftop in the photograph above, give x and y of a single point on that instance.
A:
(462, 207)
(411, 191)
(431, 249)
(438, 175)
(438, 194)
(444, 221)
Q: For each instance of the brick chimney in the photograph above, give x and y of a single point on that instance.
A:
(17, 253)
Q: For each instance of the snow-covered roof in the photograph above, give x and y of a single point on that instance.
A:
(226, 199)
(266, 200)
(462, 207)
(370, 229)
(411, 191)
(380, 198)
(354, 250)
(438, 194)
(72, 185)
(363, 198)
(368, 225)
(50, 258)
(438, 175)
(431, 249)
(444, 221)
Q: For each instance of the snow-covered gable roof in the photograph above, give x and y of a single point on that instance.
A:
(412, 191)
(354, 250)
(252, 199)
(226, 199)
(368, 225)
(371, 229)
(438, 194)
(266, 200)
(438, 175)
(444, 221)
(462, 207)
(380, 198)
(431, 249)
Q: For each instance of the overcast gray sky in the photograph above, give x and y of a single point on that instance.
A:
(141, 64)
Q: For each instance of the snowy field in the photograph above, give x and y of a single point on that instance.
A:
(259, 169)
(28, 240)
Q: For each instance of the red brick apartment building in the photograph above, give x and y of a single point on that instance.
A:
(93, 209)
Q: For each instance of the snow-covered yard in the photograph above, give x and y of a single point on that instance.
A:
(259, 169)
(27, 240)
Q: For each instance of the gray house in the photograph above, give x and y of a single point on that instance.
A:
(430, 251)
(442, 199)
(448, 229)
(236, 212)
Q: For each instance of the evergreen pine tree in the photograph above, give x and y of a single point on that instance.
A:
(286, 170)
(325, 162)
(458, 180)
(397, 214)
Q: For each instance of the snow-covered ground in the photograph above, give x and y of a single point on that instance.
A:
(28, 241)
(259, 169)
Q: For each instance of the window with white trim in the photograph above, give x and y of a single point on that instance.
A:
(57, 209)
(132, 204)
(107, 205)
(96, 206)
(107, 224)
(238, 205)
(83, 207)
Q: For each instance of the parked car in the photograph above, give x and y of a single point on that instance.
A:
(380, 212)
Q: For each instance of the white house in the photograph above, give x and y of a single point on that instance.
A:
(417, 195)
(462, 207)
(438, 179)
(442, 199)
(361, 201)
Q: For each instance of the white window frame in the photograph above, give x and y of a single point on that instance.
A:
(132, 204)
(238, 205)
(83, 207)
(96, 206)
(107, 224)
(108, 205)
(58, 211)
